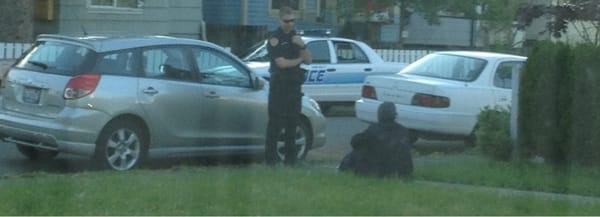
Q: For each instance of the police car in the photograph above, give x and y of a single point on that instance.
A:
(337, 72)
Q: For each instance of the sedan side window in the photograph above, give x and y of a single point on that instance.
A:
(347, 52)
(503, 75)
(218, 69)
(168, 62)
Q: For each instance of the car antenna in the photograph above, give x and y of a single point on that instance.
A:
(83, 29)
(80, 23)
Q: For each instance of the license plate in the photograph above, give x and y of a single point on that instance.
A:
(31, 95)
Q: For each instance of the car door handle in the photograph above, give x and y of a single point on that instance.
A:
(150, 91)
(331, 70)
(503, 99)
(211, 95)
(368, 69)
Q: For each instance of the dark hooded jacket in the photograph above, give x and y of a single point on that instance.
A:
(382, 149)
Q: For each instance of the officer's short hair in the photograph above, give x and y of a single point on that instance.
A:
(285, 10)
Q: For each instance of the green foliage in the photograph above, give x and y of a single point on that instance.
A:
(586, 101)
(493, 133)
(559, 97)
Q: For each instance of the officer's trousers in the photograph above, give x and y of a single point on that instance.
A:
(285, 98)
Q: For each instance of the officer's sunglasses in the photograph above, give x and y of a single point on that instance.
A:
(288, 21)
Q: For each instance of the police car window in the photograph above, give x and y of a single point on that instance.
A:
(218, 69)
(347, 52)
(319, 50)
(168, 63)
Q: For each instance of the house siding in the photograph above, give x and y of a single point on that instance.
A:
(180, 18)
(450, 32)
(224, 12)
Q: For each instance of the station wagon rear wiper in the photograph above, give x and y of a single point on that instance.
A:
(40, 64)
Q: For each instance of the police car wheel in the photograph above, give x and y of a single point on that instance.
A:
(303, 140)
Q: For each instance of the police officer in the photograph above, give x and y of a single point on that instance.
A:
(286, 51)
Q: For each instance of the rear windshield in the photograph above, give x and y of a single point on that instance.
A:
(58, 58)
(453, 67)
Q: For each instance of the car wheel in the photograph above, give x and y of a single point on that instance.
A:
(303, 142)
(470, 141)
(413, 136)
(36, 153)
(122, 145)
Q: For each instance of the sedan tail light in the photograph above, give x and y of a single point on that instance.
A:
(369, 92)
(81, 85)
(433, 101)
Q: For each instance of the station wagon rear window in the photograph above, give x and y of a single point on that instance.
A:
(58, 58)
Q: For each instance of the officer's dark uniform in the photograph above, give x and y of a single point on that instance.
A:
(284, 97)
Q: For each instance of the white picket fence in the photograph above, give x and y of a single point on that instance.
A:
(402, 56)
(14, 50)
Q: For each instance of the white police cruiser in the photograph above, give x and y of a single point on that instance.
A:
(337, 72)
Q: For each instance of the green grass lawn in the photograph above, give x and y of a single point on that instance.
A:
(259, 190)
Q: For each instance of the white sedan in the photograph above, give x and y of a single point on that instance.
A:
(442, 93)
(338, 70)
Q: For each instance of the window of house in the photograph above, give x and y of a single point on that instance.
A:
(118, 5)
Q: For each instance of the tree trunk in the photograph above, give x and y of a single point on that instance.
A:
(404, 16)
(17, 20)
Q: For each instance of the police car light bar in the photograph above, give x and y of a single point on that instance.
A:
(314, 32)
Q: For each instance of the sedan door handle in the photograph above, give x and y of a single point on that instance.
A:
(368, 69)
(150, 91)
(331, 70)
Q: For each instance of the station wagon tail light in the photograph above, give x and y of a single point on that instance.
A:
(369, 92)
(427, 100)
(81, 85)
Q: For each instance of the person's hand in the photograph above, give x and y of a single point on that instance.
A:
(297, 40)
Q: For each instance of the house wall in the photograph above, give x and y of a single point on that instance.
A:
(450, 32)
(229, 12)
(180, 18)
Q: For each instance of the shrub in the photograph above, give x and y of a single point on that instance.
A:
(493, 133)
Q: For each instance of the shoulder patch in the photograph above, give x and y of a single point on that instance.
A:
(274, 41)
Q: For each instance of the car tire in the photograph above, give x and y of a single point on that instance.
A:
(413, 136)
(122, 145)
(303, 141)
(33, 153)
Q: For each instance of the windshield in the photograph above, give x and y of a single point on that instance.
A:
(58, 58)
(257, 52)
(452, 67)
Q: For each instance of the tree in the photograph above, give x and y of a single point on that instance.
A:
(496, 19)
(17, 20)
(582, 15)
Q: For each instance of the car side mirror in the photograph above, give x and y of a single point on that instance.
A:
(259, 83)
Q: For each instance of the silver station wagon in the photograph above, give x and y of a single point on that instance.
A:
(123, 99)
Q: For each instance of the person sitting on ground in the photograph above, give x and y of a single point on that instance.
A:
(382, 149)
